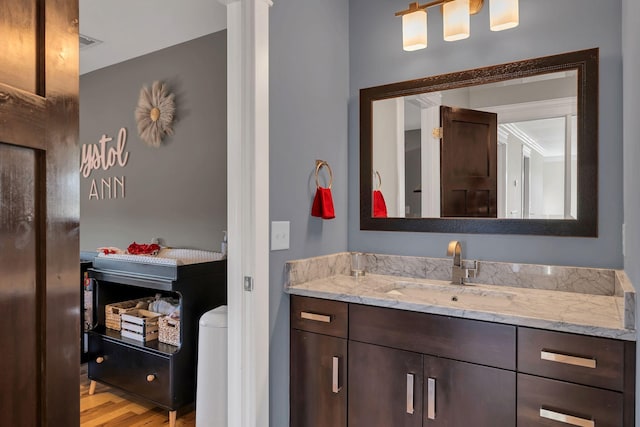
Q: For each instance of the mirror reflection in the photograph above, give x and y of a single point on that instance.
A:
(500, 150)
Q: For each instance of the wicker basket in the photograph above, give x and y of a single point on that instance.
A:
(112, 312)
(169, 330)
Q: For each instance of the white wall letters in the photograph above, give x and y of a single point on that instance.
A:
(100, 156)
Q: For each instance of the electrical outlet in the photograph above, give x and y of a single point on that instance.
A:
(280, 235)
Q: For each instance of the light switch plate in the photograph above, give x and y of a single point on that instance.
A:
(280, 235)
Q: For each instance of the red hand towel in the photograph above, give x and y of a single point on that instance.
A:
(323, 204)
(379, 206)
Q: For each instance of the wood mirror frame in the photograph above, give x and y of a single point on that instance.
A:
(586, 64)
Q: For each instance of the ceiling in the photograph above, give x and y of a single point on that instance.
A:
(128, 29)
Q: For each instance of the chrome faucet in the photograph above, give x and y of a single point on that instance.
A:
(458, 272)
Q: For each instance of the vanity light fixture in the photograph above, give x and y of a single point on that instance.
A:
(504, 14)
(455, 19)
(414, 27)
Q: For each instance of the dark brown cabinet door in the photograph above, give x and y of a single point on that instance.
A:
(385, 386)
(39, 209)
(318, 380)
(468, 163)
(460, 394)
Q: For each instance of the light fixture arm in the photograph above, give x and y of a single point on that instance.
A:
(474, 6)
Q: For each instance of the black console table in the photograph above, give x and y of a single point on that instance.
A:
(160, 373)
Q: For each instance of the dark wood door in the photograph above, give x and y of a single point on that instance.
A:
(460, 394)
(468, 163)
(385, 386)
(18, 263)
(318, 387)
(39, 204)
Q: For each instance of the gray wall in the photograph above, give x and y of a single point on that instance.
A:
(631, 107)
(309, 87)
(179, 191)
(546, 27)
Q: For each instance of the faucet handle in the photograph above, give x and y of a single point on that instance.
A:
(454, 248)
(472, 272)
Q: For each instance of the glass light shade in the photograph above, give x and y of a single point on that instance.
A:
(414, 30)
(504, 14)
(455, 20)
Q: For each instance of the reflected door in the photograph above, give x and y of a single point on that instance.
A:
(468, 163)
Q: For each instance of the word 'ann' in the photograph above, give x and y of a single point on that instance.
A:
(108, 188)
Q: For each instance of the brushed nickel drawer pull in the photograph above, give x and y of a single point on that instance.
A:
(567, 419)
(431, 398)
(335, 375)
(569, 360)
(315, 317)
(410, 379)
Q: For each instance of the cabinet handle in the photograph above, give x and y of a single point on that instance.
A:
(567, 419)
(315, 317)
(431, 398)
(99, 359)
(410, 379)
(335, 377)
(568, 360)
(151, 377)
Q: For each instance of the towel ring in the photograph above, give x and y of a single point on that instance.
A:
(376, 173)
(319, 165)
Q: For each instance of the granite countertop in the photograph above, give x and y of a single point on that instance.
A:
(597, 313)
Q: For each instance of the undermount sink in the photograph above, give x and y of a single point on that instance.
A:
(450, 291)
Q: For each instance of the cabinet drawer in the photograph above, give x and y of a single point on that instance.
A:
(545, 402)
(581, 359)
(319, 315)
(133, 370)
(467, 340)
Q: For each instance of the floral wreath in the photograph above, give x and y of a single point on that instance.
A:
(154, 113)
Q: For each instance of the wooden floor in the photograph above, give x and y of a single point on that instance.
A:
(112, 408)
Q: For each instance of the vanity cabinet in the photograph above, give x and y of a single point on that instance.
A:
(416, 369)
(160, 373)
(318, 354)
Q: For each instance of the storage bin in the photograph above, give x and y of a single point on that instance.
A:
(113, 312)
(169, 330)
(140, 325)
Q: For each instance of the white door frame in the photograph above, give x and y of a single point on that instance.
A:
(247, 194)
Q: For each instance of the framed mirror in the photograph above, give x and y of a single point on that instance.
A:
(505, 149)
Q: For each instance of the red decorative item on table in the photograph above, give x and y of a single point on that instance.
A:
(143, 249)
